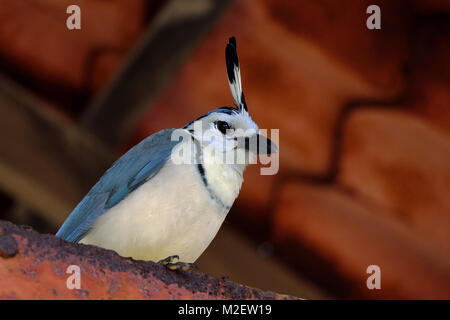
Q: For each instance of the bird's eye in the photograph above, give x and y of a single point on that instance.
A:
(222, 126)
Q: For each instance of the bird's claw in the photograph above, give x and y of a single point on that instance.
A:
(171, 265)
(168, 260)
(185, 266)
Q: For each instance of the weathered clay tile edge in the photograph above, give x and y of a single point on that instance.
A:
(32, 266)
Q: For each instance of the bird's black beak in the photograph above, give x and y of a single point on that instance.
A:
(259, 144)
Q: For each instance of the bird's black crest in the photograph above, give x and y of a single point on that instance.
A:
(231, 58)
(244, 104)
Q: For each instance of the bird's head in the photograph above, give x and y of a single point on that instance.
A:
(231, 131)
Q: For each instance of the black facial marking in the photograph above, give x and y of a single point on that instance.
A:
(222, 126)
(202, 172)
(199, 160)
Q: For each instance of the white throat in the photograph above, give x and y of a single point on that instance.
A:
(224, 180)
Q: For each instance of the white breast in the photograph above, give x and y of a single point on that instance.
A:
(170, 214)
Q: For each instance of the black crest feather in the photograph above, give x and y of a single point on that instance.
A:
(234, 74)
(231, 58)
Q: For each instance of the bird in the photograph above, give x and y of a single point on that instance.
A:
(151, 206)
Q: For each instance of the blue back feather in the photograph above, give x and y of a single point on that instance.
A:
(135, 167)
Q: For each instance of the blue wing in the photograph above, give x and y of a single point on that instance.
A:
(135, 167)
